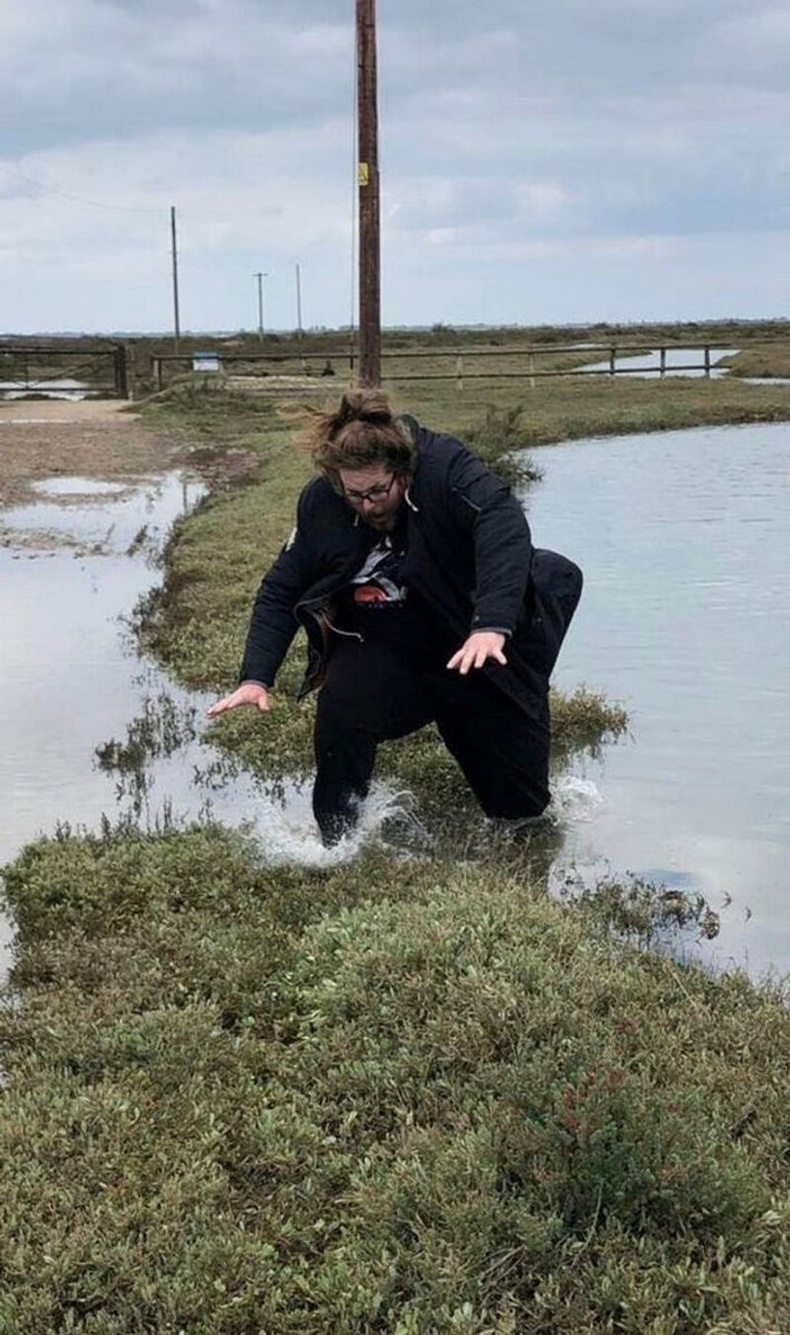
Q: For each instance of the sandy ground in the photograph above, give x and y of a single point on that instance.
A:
(46, 438)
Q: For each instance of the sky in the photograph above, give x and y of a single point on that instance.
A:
(554, 163)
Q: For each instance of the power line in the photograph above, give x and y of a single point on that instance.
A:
(79, 199)
(126, 208)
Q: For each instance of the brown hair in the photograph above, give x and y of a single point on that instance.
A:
(361, 433)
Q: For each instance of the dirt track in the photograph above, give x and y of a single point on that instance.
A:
(40, 439)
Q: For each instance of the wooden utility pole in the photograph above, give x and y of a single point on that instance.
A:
(368, 181)
(260, 277)
(298, 302)
(174, 251)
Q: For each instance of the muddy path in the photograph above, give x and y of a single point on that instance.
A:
(44, 439)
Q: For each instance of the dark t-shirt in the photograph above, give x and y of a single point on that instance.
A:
(380, 605)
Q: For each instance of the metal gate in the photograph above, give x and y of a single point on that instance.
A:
(51, 371)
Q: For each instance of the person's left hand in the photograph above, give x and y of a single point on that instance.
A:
(481, 645)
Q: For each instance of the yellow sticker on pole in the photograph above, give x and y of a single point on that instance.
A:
(363, 173)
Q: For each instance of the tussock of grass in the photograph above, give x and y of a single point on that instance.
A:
(419, 1097)
(202, 404)
(500, 440)
(585, 721)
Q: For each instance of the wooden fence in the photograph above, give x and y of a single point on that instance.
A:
(475, 363)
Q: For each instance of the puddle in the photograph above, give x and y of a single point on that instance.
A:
(78, 486)
(97, 518)
(64, 388)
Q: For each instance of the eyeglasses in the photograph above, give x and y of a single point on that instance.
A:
(377, 493)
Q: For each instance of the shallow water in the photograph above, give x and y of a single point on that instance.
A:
(91, 731)
(70, 678)
(684, 538)
(679, 361)
(66, 574)
(64, 388)
(684, 541)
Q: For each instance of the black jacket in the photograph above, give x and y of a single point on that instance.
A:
(469, 556)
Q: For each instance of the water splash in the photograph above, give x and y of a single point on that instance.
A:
(575, 799)
(284, 832)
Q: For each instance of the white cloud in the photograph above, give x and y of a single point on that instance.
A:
(507, 135)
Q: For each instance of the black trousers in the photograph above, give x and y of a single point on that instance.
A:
(373, 694)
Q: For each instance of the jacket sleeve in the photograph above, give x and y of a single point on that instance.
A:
(273, 623)
(484, 507)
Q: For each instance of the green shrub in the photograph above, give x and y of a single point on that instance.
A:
(382, 1096)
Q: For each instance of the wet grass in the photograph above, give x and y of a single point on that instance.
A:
(401, 1094)
(384, 1097)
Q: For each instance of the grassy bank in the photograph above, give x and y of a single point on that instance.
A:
(385, 1096)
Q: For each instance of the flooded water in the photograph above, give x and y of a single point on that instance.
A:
(69, 566)
(684, 538)
(64, 388)
(678, 361)
(91, 731)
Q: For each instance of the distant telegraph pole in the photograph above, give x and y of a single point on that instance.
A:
(260, 277)
(368, 183)
(298, 302)
(174, 251)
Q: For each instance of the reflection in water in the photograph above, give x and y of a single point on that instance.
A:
(670, 920)
(66, 572)
(99, 518)
(684, 538)
(163, 728)
(72, 568)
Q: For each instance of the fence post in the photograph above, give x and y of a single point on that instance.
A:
(663, 367)
(531, 364)
(707, 363)
(121, 372)
(612, 355)
(459, 372)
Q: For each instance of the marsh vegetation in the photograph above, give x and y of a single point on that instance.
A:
(395, 1094)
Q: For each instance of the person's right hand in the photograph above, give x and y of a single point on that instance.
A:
(249, 693)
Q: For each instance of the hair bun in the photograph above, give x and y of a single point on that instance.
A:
(362, 432)
(364, 405)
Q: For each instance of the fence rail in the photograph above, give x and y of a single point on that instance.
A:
(37, 370)
(464, 364)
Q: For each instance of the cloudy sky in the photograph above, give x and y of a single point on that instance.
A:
(559, 162)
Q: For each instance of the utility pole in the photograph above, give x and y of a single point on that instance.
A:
(298, 303)
(174, 251)
(260, 277)
(368, 182)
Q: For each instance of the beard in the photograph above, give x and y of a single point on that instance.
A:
(381, 523)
